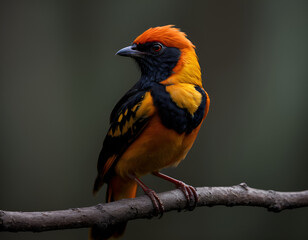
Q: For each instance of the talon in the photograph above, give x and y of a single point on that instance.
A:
(157, 204)
(190, 192)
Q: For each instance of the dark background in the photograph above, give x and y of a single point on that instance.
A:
(59, 80)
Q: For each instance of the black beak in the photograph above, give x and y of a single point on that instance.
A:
(130, 51)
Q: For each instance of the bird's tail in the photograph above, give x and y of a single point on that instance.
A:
(118, 188)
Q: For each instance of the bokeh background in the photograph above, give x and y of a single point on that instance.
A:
(59, 80)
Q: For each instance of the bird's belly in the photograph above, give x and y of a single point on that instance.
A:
(156, 148)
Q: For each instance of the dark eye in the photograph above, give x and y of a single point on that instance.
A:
(157, 47)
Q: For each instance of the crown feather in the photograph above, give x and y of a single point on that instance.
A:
(167, 35)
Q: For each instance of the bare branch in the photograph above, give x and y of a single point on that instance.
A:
(105, 215)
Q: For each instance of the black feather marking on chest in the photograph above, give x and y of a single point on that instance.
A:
(174, 117)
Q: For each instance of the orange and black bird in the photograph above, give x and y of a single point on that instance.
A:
(154, 125)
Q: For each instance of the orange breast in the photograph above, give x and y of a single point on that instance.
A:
(156, 148)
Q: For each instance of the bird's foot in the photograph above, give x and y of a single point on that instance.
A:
(189, 191)
(190, 194)
(157, 204)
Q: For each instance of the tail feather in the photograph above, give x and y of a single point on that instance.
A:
(98, 184)
(118, 188)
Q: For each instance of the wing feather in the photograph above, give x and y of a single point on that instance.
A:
(127, 121)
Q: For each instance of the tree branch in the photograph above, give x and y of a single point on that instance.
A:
(105, 215)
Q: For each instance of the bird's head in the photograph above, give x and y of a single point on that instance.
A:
(165, 55)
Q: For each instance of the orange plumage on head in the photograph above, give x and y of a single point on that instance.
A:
(170, 37)
(167, 35)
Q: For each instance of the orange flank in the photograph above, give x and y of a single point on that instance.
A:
(158, 147)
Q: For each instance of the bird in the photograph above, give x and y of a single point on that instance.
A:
(154, 125)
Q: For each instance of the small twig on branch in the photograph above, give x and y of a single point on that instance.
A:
(105, 215)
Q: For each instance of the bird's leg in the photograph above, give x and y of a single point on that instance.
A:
(189, 191)
(158, 205)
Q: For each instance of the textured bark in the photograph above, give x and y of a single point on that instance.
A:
(105, 215)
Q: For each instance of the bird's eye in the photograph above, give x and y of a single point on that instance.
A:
(157, 47)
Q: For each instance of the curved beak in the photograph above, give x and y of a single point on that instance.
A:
(129, 51)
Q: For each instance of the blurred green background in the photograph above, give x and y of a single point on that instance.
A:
(59, 80)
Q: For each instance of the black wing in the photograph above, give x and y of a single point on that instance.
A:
(128, 119)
